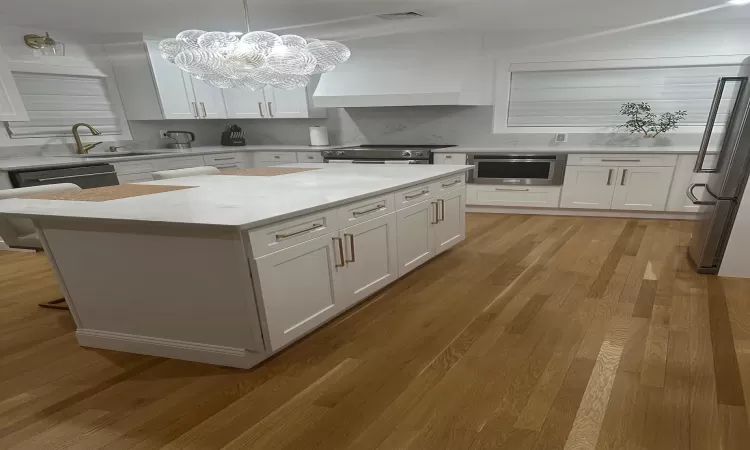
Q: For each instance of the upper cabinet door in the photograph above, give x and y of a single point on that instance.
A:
(588, 187)
(642, 188)
(245, 104)
(173, 85)
(210, 101)
(284, 104)
(11, 105)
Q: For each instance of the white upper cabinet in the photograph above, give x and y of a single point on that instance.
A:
(210, 101)
(153, 89)
(11, 105)
(642, 188)
(588, 187)
(245, 104)
(284, 104)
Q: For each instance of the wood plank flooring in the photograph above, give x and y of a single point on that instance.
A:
(536, 333)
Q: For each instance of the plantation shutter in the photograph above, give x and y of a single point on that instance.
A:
(592, 98)
(56, 102)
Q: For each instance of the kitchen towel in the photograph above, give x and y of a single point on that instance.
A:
(319, 136)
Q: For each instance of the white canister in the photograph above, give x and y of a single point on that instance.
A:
(319, 136)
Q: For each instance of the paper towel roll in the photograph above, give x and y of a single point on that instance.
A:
(318, 136)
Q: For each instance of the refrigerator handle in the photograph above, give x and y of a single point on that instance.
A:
(692, 196)
(714, 111)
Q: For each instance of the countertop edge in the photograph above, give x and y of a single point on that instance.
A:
(573, 150)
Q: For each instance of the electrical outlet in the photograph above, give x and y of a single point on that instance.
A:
(163, 134)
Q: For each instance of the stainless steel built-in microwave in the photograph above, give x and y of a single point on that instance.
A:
(529, 170)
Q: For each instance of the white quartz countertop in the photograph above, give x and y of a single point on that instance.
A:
(242, 201)
(570, 149)
(41, 162)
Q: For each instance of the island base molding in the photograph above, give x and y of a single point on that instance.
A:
(582, 213)
(169, 348)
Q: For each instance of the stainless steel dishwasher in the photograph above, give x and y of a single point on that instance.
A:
(90, 176)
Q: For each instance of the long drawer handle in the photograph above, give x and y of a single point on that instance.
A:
(455, 182)
(369, 211)
(84, 175)
(351, 246)
(412, 197)
(224, 159)
(621, 160)
(437, 217)
(341, 253)
(512, 190)
(441, 210)
(306, 230)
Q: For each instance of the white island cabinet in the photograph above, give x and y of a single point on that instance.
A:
(231, 269)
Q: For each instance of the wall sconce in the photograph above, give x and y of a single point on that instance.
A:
(45, 44)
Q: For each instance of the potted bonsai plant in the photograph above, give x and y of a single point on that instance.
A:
(642, 120)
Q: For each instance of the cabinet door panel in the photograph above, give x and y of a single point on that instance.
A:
(451, 228)
(642, 188)
(371, 255)
(210, 101)
(245, 104)
(283, 104)
(588, 187)
(174, 86)
(416, 238)
(299, 288)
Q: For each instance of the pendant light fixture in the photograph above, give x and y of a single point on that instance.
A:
(253, 60)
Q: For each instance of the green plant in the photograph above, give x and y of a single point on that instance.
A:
(642, 120)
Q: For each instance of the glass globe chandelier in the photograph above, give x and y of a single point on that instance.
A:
(253, 60)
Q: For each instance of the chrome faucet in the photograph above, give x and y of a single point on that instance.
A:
(80, 148)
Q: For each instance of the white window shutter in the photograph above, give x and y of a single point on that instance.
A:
(56, 102)
(592, 98)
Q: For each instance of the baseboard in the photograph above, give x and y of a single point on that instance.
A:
(582, 213)
(168, 348)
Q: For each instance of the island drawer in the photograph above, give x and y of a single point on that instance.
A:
(275, 157)
(224, 160)
(279, 236)
(366, 210)
(413, 195)
(623, 160)
(450, 183)
(309, 157)
(179, 163)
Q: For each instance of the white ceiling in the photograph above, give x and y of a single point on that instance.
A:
(351, 19)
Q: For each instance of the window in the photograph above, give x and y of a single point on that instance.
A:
(56, 102)
(592, 98)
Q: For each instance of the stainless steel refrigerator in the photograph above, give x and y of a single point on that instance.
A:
(719, 197)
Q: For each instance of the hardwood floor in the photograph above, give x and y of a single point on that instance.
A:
(536, 333)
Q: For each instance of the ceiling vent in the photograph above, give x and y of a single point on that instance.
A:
(400, 16)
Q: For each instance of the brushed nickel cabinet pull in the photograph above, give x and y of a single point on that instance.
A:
(195, 110)
(441, 210)
(203, 106)
(511, 190)
(341, 253)
(224, 159)
(437, 219)
(362, 213)
(314, 227)
(624, 174)
(270, 109)
(412, 197)
(260, 108)
(609, 177)
(455, 182)
(351, 246)
(621, 160)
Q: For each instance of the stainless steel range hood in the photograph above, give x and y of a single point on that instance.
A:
(364, 84)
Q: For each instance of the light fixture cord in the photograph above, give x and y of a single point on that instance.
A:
(247, 15)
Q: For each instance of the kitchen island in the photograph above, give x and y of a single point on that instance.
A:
(234, 268)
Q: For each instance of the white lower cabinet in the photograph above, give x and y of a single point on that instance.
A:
(588, 187)
(514, 196)
(416, 237)
(619, 188)
(370, 256)
(450, 228)
(300, 287)
(642, 188)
